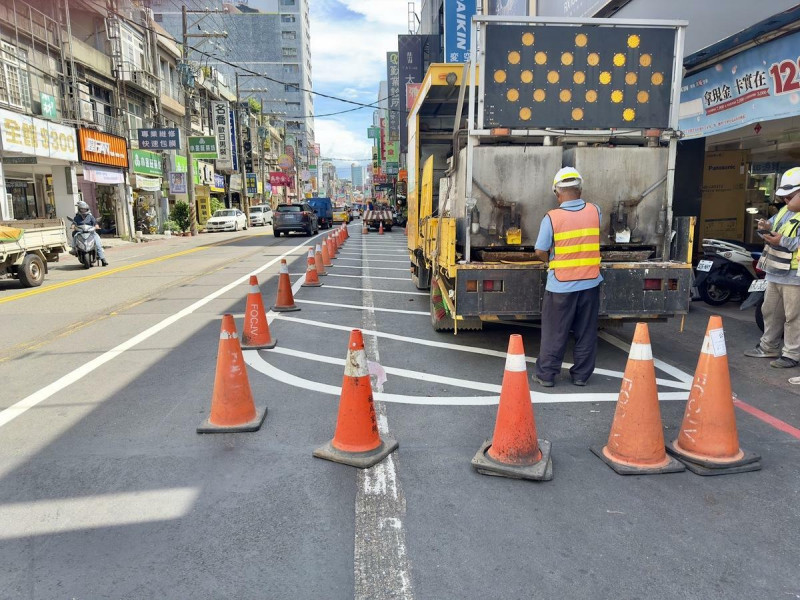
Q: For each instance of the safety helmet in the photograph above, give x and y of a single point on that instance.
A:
(567, 177)
(790, 183)
(83, 208)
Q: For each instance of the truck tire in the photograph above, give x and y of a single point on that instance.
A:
(31, 271)
(420, 274)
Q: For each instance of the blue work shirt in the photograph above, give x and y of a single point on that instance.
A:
(545, 243)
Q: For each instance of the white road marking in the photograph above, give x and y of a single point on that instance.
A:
(343, 287)
(405, 262)
(374, 253)
(660, 364)
(376, 268)
(366, 308)
(357, 276)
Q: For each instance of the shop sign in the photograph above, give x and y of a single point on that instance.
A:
(236, 182)
(222, 131)
(177, 183)
(148, 184)
(103, 176)
(203, 172)
(20, 160)
(393, 77)
(163, 139)
(252, 183)
(101, 148)
(317, 149)
(219, 183)
(203, 146)
(457, 29)
(278, 178)
(305, 174)
(147, 163)
(285, 161)
(760, 84)
(181, 166)
(48, 103)
(36, 137)
(373, 133)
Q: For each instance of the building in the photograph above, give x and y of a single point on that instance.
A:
(357, 176)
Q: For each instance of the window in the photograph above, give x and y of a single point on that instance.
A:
(291, 87)
(290, 51)
(158, 17)
(293, 106)
(289, 35)
(132, 48)
(15, 85)
(287, 2)
(287, 18)
(291, 69)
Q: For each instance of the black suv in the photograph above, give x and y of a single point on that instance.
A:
(294, 217)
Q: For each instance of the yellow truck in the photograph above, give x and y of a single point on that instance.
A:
(600, 95)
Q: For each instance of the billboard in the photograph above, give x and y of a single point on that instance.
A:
(412, 69)
(393, 77)
(220, 123)
(457, 29)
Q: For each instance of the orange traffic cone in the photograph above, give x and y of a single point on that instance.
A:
(232, 407)
(636, 442)
(364, 228)
(708, 442)
(326, 257)
(346, 233)
(312, 280)
(356, 441)
(380, 228)
(318, 261)
(255, 332)
(331, 245)
(515, 450)
(285, 300)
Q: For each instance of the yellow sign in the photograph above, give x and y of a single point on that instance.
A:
(203, 199)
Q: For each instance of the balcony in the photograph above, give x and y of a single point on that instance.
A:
(86, 55)
(139, 79)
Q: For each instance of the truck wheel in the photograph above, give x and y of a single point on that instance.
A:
(420, 274)
(440, 320)
(31, 271)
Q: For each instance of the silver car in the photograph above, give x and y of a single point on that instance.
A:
(261, 214)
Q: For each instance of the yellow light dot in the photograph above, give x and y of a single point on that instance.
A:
(566, 58)
(633, 41)
(499, 76)
(628, 114)
(593, 59)
(642, 97)
(657, 79)
(579, 77)
(540, 58)
(645, 60)
(630, 78)
(527, 39)
(513, 57)
(605, 77)
(619, 60)
(539, 95)
(591, 96)
(565, 95)
(512, 95)
(525, 113)
(526, 76)
(616, 96)
(553, 76)
(577, 114)
(581, 40)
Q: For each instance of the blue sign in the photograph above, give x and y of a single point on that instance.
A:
(219, 181)
(234, 145)
(160, 139)
(252, 184)
(457, 29)
(760, 84)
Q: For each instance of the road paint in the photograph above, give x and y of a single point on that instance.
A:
(659, 364)
(405, 262)
(374, 253)
(376, 268)
(344, 287)
(366, 308)
(767, 418)
(358, 276)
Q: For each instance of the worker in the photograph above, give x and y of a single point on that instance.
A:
(569, 244)
(781, 306)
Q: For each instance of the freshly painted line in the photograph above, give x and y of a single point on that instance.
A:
(459, 348)
(354, 276)
(661, 365)
(373, 253)
(22, 406)
(768, 419)
(405, 262)
(376, 268)
(367, 308)
(342, 287)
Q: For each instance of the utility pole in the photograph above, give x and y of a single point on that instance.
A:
(242, 171)
(262, 152)
(187, 104)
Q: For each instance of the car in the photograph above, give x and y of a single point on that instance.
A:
(294, 217)
(324, 209)
(355, 214)
(341, 215)
(261, 214)
(227, 219)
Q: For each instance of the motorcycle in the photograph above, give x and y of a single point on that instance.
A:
(84, 245)
(726, 270)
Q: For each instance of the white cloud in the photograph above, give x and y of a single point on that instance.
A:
(338, 141)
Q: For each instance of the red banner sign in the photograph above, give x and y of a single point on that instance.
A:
(278, 178)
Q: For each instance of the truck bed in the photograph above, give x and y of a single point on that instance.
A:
(49, 236)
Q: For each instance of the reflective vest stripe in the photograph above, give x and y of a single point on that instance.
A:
(577, 248)
(574, 262)
(576, 243)
(777, 260)
(568, 235)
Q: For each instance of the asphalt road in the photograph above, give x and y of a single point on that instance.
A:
(107, 491)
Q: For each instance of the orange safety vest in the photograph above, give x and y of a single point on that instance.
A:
(576, 243)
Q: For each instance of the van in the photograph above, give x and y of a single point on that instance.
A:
(324, 209)
(261, 214)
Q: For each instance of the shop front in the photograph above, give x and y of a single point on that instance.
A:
(146, 181)
(203, 180)
(103, 181)
(37, 172)
(217, 188)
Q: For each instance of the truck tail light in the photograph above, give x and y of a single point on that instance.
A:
(472, 285)
(653, 285)
(493, 285)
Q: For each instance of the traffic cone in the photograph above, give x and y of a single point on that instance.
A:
(708, 442)
(364, 228)
(232, 407)
(326, 258)
(255, 332)
(515, 450)
(335, 243)
(312, 280)
(285, 299)
(380, 228)
(318, 261)
(346, 233)
(636, 442)
(356, 441)
(331, 247)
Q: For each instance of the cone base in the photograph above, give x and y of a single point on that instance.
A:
(361, 460)
(268, 346)
(750, 461)
(540, 471)
(318, 284)
(291, 308)
(254, 425)
(672, 466)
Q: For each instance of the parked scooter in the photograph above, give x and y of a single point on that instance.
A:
(84, 244)
(726, 270)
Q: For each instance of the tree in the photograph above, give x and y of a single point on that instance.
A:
(180, 214)
(255, 105)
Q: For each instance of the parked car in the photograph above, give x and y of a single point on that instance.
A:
(355, 214)
(227, 219)
(341, 215)
(261, 214)
(324, 209)
(294, 217)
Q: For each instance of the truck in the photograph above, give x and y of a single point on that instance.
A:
(27, 246)
(324, 209)
(373, 218)
(598, 95)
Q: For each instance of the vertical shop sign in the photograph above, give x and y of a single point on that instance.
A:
(220, 120)
(410, 51)
(393, 77)
(457, 29)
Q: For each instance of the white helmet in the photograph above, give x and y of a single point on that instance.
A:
(83, 208)
(567, 177)
(790, 183)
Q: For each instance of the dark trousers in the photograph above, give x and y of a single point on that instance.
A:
(576, 311)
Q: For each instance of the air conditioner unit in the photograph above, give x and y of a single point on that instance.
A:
(196, 106)
(87, 110)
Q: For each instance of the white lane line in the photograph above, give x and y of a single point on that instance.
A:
(395, 254)
(356, 276)
(374, 260)
(343, 287)
(22, 406)
(471, 349)
(659, 364)
(376, 268)
(366, 308)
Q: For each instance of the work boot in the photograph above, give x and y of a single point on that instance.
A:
(542, 382)
(759, 352)
(784, 363)
(104, 262)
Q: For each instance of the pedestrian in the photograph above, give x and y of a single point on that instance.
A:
(569, 244)
(84, 217)
(781, 306)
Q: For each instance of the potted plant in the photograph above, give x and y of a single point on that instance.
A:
(180, 215)
(169, 227)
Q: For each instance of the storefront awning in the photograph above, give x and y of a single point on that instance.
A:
(103, 175)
